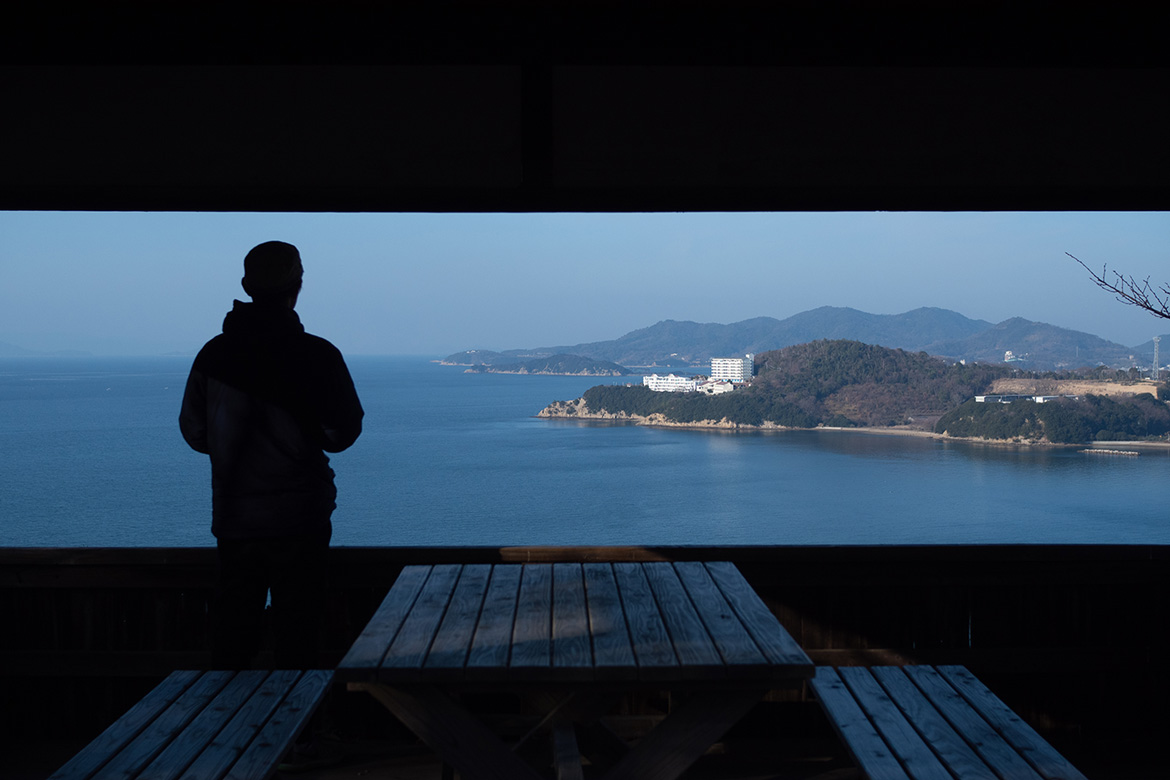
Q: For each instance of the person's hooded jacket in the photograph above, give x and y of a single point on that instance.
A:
(266, 400)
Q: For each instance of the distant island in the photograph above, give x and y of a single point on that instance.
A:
(563, 365)
(849, 384)
(683, 345)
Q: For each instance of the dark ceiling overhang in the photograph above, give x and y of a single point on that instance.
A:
(491, 106)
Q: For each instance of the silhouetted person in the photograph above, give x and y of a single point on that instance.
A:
(266, 400)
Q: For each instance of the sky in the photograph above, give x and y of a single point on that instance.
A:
(114, 283)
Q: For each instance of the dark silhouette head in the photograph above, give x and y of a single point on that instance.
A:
(273, 272)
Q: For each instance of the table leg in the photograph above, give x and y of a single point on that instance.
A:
(566, 754)
(684, 735)
(448, 729)
(584, 710)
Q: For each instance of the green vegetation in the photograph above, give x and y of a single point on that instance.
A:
(867, 384)
(1063, 421)
(556, 364)
(847, 384)
(744, 407)
(836, 383)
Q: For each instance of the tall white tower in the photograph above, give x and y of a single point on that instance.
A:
(733, 369)
(1156, 340)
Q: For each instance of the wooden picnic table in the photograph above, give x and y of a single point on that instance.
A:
(573, 638)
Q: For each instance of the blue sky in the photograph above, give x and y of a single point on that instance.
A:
(433, 284)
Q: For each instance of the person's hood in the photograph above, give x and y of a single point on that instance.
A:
(261, 321)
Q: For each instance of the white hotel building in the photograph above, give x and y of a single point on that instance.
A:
(669, 383)
(733, 369)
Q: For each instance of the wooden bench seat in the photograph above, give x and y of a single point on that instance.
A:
(216, 724)
(924, 722)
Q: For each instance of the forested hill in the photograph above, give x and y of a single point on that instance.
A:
(870, 385)
(835, 383)
(1063, 421)
(567, 365)
(1041, 347)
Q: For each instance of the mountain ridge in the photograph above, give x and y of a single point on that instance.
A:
(944, 333)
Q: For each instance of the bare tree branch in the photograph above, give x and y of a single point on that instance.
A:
(1127, 289)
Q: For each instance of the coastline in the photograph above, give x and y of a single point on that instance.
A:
(525, 372)
(574, 410)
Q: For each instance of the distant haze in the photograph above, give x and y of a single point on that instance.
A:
(434, 284)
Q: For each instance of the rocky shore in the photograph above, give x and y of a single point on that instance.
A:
(577, 410)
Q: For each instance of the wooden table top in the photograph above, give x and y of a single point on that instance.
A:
(574, 622)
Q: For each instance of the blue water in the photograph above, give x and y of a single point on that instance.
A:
(92, 456)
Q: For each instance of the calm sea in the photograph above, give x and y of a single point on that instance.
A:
(92, 456)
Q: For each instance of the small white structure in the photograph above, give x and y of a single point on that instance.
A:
(733, 369)
(715, 387)
(1007, 399)
(669, 383)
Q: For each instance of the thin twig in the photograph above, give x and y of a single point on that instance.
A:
(1127, 289)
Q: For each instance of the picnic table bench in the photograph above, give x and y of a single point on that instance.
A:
(573, 638)
(212, 725)
(923, 722)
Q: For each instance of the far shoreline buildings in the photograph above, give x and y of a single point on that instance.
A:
(670, 383)
(726, 373)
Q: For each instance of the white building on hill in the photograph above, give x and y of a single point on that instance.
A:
(733, 369)
(669, 383)
(715, 387)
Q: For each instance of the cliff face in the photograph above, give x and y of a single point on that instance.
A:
(577, 409)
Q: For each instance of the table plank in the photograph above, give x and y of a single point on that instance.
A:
(155, 738)
(91, 758)
(572, 651)
(231, 742)
(452, 642)
(854, 728)
(948, 744)
(172, 762)
(891, 722)
(409, 649)
(696, 653)
(653, 650)
(735, 644)
(774, 641)
(277, 736)
(370, 647)
(613, 652)
(1046, 760)
(491, 646)
(532, 632)
(990, 746)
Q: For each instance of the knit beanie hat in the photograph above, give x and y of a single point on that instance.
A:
(272, 269)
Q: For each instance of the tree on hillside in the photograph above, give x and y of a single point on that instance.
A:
(1127, 289)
